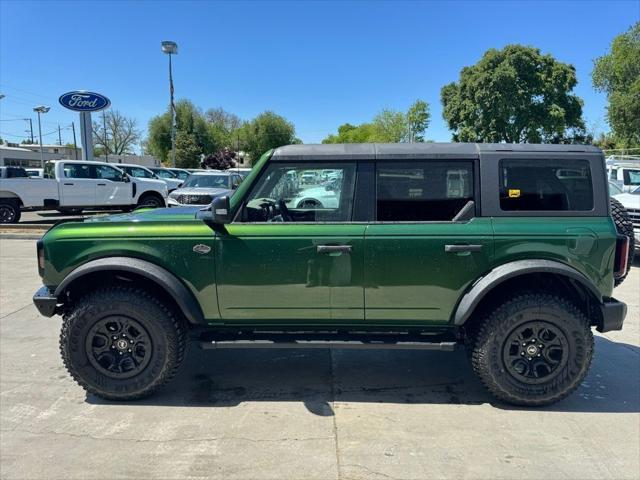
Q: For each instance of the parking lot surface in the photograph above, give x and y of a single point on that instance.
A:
(305, 414)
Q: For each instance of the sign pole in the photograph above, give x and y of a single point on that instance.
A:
(85, 136)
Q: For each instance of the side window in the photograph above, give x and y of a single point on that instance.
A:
(303, 192)
(422, 191)
(235, 181)
(139, 172)
(104, 172)
(545, 185)
(77, 170)
(631, 176)
(16, 173)
(614, 174)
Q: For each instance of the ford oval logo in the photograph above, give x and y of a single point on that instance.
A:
(81, 101)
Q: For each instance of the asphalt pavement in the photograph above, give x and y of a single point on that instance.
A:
(298, 414)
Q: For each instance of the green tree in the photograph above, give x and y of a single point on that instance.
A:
(418, 118)
(191, 128)
(390, 126)
(514, 95)
(618, 75)
(188, 150)
(268, 130)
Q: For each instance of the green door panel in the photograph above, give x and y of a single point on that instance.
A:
(585, 243)
(411, 280)
(271, 273)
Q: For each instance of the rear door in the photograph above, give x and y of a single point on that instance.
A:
(282, 262)
(419, 258)
(78, 185)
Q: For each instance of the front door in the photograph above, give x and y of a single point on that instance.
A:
(293, 255)
(111, 189)
(419, 258)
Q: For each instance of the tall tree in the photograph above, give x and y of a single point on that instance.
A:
(191, 129)
(618, 74)
(116, 135)
(223, 159)
(418, 118)
(268, 130)
(516, 94)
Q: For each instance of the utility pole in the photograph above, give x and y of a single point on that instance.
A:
(59, 136)
(104, 128)
(31, 129)
(75, 146)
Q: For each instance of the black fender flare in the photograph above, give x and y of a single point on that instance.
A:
(502, 273)
(165, 279)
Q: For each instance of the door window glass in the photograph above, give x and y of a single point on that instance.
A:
(545, 185)
(303, 193)
(77, 170)
(108, 173)
(422, 191)
(631, 176)
(139, 172)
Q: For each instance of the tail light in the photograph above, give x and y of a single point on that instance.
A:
(40, 250)
(622, 256)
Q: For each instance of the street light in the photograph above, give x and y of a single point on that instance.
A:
(41, 109)
(171, 48)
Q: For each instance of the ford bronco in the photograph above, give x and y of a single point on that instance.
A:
(507, 250)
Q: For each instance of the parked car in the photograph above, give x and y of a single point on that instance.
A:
(243, 172)
(180, 173)
(139, 171)
(430, 246)
(202, 187)
(70, 186)
(35, 172)
(624, 170)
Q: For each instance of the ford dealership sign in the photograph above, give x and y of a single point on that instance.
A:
(81, 101)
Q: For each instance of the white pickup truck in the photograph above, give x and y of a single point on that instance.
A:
(72, 185)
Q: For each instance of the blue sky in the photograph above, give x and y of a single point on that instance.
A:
(319, 64)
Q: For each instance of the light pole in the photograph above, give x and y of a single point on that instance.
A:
(171, 48)
(41, 109)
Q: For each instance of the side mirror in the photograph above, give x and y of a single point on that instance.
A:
(125, 178)
(218, 213)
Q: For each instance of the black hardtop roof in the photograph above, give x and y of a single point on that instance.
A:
(344, 151)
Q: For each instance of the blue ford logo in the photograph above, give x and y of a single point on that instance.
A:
(84, 101)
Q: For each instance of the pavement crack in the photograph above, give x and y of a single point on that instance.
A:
(333, 407)
(15, 311)
(369, 470)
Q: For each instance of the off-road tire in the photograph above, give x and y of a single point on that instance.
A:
(9, 211)
(624, 226)
(488, 345)
(150, 200)
(165, 328)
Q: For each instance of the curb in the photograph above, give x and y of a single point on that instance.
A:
(20, 236)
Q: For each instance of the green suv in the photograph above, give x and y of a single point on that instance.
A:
(507, 250)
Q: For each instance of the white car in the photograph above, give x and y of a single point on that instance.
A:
(631, 201)
(139, 171)
(624, 171)
(202, 187)
(70, 186)
(315, 197)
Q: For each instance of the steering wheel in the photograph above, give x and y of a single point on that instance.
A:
(284, 211)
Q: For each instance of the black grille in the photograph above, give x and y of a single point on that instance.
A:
(634, 214)
(194, 199)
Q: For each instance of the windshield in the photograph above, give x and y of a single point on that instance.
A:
(207, 181)
(182, 175)
(163, 173)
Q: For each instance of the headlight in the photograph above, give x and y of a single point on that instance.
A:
(173, 194)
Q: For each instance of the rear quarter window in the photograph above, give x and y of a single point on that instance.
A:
(549, 185)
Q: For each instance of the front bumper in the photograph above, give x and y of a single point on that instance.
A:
(613, 313)
(172, 202)
(45, 302)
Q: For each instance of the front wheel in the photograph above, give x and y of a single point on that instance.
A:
(122, 343)
(9, 211)
(151, 201)
(532, 350)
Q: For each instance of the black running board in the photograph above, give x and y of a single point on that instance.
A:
(290, 341)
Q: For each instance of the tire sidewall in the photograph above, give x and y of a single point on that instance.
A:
(14, 209)
(74, 344)
(150, 201)
(579, 350)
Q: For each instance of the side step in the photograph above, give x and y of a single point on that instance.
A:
(284, 341)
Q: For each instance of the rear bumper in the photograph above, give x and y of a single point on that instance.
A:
(613, 314)
(45, 302)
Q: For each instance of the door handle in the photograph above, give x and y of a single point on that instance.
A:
(102, 184)
(333, 249)
(68, 183)
(462, 248)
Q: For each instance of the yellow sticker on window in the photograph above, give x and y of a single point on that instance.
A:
(514, 193)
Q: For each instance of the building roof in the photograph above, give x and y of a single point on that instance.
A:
(413, 150)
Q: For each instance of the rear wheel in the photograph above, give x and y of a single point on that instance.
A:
(534, 349)
(122, 343)
(624, 226)
(9, 211)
